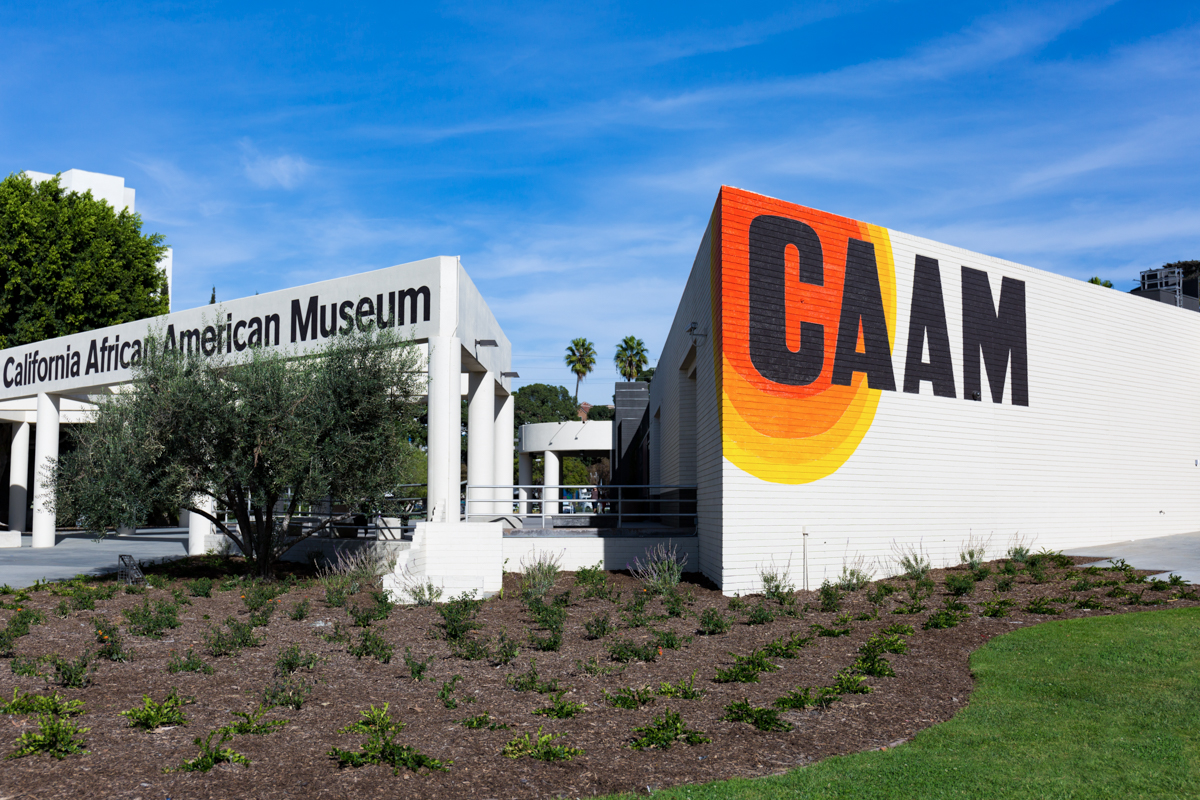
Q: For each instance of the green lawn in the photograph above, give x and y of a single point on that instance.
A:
(1107, 707)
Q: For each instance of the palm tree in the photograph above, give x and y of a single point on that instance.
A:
(581, 358)
(631, 357)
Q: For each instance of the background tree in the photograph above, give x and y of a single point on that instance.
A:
(271, 429)
(69, 263)
(631, 357)
(540, 402)
(581, 358)
(601, 413)
(1098, 282)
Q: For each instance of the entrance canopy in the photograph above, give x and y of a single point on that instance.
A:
(433, 301)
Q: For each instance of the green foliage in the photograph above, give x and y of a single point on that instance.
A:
(1005, 583)
(292, 658)
(666, 730)
(381, 747)
(801, 698)
(765, 719)
(981, 573)
(675, 603)
(213, 754)
(847, 682)
(595, 583)
(630, 697)
(55, 736)
(593, 667)
(153, 715)
(1095, 280)
(506, 649)
(760, 615)
(913, 563)
(72, 263)
(713, 622)
(684, 689)
(416, 667)
(288, 692)
(108, 636)
(482, 721)
(373, 645)
(777, 584)
(27, 667)
(746, 669)
(960, 585)
(152, 621)
(458, 616)
(251, 724)
(1091, 603)
(540, 746)
(189, 663)
(881, 592)
(539, 573)
(581, 360)
(626, 651)
(668, 640)
(997, 609)
(252, 429)
(942, 618)
(599, 626)
(821, 630)
(53, 704)
(70, 673)
(300, 611)
(540, 402)
(853, 578)
(446, 693)
(787, 647)
(660, 569)
(201, 587)
(1019, 553)
(338, 635)
(529, 681)
(560, 708)
(1041, 605)
(830, 598)
(236, 637)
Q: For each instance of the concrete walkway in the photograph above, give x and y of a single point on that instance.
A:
(76, 553)
(1179, 554)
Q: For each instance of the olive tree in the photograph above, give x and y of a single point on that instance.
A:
(263, 433)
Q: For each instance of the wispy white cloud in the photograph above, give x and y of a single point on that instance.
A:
(284, 171)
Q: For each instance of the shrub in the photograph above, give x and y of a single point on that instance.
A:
(506, 649)
(854, 576)
(416, 667)
(1004, 584)
(960, 585)
(287, 692)
(599, 626)
(787, 647)
(981, 573)
(760, 615)
(152, 622)
(189, 663)
(674, 603)
(1041, 605)
(664, 731)
(213, 754)
(472, 649)
(446, 693)
(262, 617)
(108, 636)
(27, 667)
(29, 703)
(72, 674)
(777, 583)
(250, 723)
(898, 629)
(55, 736)
(830, 597)
(1019, 551)
(594, 582)
(629, 697)
(765, 719)
(482, 721)
(974, 552)
(237, 637)
(373, 645)
(667, 640)
(292, 658)
(942, 618)
(660, 569)
(847, 682)
(881, 592)
(593, 667)
(912, 562)
(18, 626)
(683, 689)
(300, 610)
(529, 681)
(458, 616)
(626, 651)
(153, 715)
(539, 572)
(802, 698)
(1090, 603)
(561, 709)
(997, 609)
(746, 669)
(201, 587)
(821, 630)
(540, 746)
(712, 623)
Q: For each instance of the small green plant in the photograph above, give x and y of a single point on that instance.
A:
(292, 658)
(261, 617)
(29, 703)
(1090, 603)
(529, 681)
(871, 661)
(981, 573)
(213, 754)
(458, 616)
(362, 617)
(201, 587)
(1041, 605)
(942, 618)
(674, 603)
(630, 697)
(55, 736)
(760, 615)
(153, 715)
(112, 644)
(373, 645)
(997, 609)
(898, 629)
(336, 595)
(668, 640)
(660, 569)
(1036, 570)
(595, 583)
(539, 572)
(482, 721)
(746, 669)
(777, 584)
(506, 649)
(960, 585)
(853, 578)
(1005, 583)
(881, 592)
(974, 552)
(634, 613)
(27, 667)
(18, 626)
(1019, 552)
(135, 588)
(560, 708)
(765, 719)
(423, 594)
(416, 667)
(787, 646)
(847, 682)
(236, 637)
(301, 610)
(821, 630)
(152, 621)
(736, 603)
(189, 663)
(251, 724)
(287, 692)
(593, 667)
(626, 651)
(911, 561)
(666, 730)
(70, 673)
(830, 598)
(599, 626)
(683, 689)
(713, 623)
(540, 746)
(802, 698)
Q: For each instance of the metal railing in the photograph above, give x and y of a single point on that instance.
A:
(396, 519)
(670, 505)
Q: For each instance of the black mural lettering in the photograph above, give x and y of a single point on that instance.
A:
(862, 304)
(927, 321)
(769, 352)
(411, 295)
(996, 331)
(306, 323)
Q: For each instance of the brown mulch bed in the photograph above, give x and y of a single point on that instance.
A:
(933, 681)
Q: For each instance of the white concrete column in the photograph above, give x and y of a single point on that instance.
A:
(18, 476)
(481, 440)
(445, 366)
(45, 453)
(550, 477)
(502, 472)
(199, 526)
(524, 478)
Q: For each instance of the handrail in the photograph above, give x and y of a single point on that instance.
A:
(618, 500)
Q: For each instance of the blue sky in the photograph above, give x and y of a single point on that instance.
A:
(572, 157)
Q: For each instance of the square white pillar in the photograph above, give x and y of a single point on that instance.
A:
(524, 478)
(18, 477)
(550, 477)
(45, 454)
(481, 441)
(445, 367)
(502, 472)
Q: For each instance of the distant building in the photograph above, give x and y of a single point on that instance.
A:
(1168, 285)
